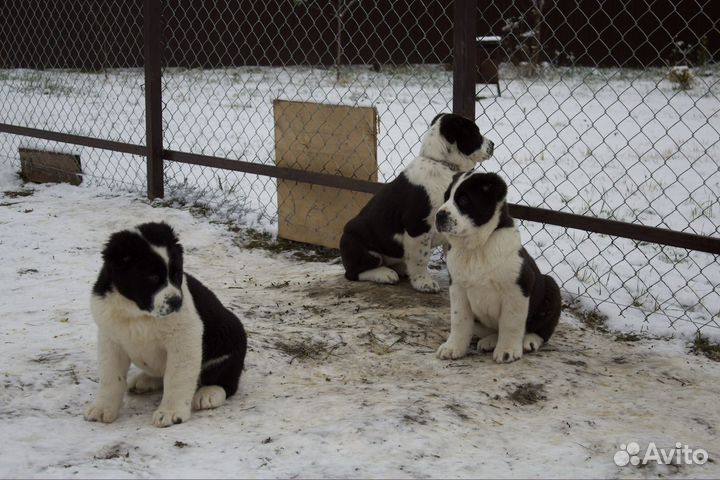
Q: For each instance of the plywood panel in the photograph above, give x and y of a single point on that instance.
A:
(333, 139)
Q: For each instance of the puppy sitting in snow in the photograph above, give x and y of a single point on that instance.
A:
(394, 233)
(496, 290)
(149, 312)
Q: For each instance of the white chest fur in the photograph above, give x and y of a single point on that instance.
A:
(143, 337)
(433, 176)
(487, 273)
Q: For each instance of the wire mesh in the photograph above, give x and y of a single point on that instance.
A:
(65, 67)
(613, 113)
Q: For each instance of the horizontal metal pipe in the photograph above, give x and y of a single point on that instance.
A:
(303, 176)
(561, 219)
(74, 139)
(615, 228)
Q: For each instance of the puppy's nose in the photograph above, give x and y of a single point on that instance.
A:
(490, 148)
(174, 302)
(441, 219)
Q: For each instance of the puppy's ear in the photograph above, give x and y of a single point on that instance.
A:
(171, 233)
(449, 127)
(118, 251)
(176, 262)
(462, 132)
(436, 118)
(498, 187)
(158, 233)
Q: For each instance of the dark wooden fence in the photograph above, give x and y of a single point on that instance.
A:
(94, 34)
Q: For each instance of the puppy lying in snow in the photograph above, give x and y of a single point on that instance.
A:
(149, 312)
(496, 290)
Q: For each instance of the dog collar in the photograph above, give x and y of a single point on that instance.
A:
(451, 166)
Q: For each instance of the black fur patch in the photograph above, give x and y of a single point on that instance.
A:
(478, 196)
(506, 221)
(162, 235)
(159, 234)
(460, 131)
(545, 300)
(526, 278)
(223, 335)
(398, 207)
(455, 179)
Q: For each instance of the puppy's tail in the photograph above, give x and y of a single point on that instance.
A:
(548, 314)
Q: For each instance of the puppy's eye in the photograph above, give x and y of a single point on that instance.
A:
(462, 201)
(154, 278)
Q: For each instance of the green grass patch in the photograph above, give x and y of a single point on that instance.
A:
(198, 209)
(703, 345)
(255, 239)
(305, 349)
(592, 318)
(528, 393)
(18, 193)
(628, 337)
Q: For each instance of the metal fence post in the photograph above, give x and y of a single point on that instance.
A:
(464, 58)
(152, 30)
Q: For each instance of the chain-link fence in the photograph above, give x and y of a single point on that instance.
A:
(393, 56)
(597, 114)
(600, 117)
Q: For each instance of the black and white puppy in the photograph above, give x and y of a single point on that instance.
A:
(394, 233)
(497, 292)
(149, 312)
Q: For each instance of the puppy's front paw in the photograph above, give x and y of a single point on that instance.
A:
(425, 283)
(165, 416)
(488, 343)
(505, 353)
(450, 350)
(532, 342)
(100, 412)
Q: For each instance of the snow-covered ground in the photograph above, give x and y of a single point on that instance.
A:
(341, 378)
(613, 143)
